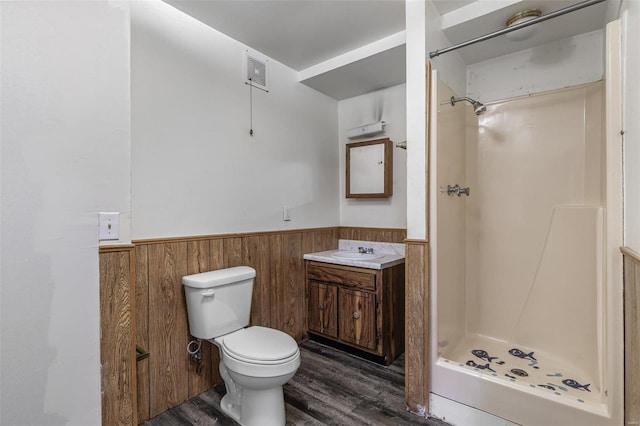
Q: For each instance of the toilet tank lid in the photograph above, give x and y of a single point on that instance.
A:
(219, 277)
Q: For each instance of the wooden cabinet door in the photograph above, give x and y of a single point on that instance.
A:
(322, 309)
(357, 316)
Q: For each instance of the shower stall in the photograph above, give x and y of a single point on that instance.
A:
(525, 280)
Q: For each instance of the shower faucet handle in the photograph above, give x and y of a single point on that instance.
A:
(455, 190)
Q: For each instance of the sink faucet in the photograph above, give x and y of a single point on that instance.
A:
(365, 250)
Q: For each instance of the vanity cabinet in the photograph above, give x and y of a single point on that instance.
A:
(358, 318)
(359, 307)
(323, 299)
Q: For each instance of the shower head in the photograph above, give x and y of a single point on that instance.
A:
(478, 107)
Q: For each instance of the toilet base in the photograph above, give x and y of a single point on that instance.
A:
(229, 408)
(264, 407)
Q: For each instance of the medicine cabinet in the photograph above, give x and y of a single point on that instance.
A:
(369, 169)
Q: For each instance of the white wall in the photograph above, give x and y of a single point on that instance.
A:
(423, 35)
(65, 135)
(631, 111)
(195, 169)
(388, 105)
(416, 120)
(564, 63)
(452, 68)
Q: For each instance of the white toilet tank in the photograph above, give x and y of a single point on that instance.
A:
(219, 302)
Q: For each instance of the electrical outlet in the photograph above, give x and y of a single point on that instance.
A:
(109, 225)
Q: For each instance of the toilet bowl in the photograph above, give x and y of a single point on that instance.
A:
(255, 362)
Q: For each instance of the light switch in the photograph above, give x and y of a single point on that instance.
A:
(109, 225)
(286, 213)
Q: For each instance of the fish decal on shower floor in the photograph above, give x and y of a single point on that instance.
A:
(482, 354)
(521, 354)
(519, 372)
(471, 363)
(574, 384)
(547, 387)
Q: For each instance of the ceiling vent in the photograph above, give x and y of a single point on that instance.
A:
(255, 70)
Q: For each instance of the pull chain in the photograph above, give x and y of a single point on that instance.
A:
(250, 108)
(251, 86)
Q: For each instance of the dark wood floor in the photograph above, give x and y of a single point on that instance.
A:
(331, 387)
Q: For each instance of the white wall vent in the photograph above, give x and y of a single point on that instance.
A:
(255, 70)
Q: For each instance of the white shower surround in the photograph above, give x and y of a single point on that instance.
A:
(526, 408)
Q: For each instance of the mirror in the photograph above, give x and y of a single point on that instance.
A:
(370, 169)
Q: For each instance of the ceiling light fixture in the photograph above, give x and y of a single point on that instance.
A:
(520, 17)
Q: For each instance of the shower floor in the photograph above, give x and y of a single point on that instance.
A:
(524, 367)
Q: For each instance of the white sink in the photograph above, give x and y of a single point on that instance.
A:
(355, 255)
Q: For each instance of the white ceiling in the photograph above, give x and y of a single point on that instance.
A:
(299, 33)
(344, 48)
(305, 33)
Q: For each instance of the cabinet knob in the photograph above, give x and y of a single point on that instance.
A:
(356, 315)
(320, 306)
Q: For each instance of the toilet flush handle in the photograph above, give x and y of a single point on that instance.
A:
(208, 293)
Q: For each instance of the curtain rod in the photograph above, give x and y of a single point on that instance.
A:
(533, 21)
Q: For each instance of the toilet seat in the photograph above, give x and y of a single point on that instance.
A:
(260, 345)
(259, 352)
(255, 362)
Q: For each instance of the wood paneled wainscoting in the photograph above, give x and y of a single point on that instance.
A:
(117, 343)
(372, 234)
(167, 377)
(417, 326)
(631, 337)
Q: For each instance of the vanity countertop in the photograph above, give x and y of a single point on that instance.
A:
(391, 254)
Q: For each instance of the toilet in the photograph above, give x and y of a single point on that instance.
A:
(255, 362)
